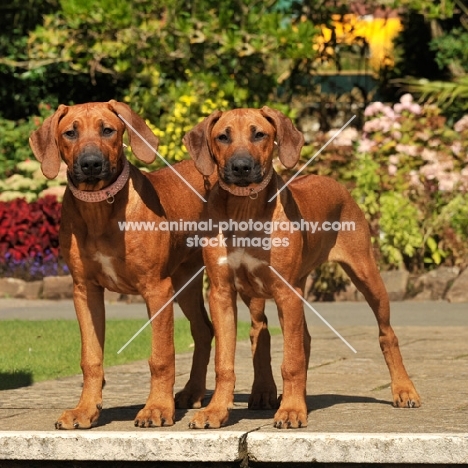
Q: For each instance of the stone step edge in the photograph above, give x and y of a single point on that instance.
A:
(229, 446)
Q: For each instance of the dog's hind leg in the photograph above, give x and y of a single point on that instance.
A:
(362, 269)
(192, 304)
(264, 391)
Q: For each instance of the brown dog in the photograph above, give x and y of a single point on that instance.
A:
(262, 264)
(104, 189)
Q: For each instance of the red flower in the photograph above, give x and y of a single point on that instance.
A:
(29, 230)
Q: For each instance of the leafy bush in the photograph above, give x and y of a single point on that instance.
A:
(21, 173)
(327, 280)
(29, 183)
(14, 139)
(179, 120)
(224, 51)
(451, 47)
(29, 239)
(410, 171)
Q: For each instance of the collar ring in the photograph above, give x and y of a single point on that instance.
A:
(253, 194)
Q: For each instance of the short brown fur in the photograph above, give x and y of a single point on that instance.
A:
(252, 133)
(150, 263)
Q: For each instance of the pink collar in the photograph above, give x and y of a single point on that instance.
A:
(247, 191)
(106, 193)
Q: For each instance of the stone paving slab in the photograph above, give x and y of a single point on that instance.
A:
(351, 419)
(128, 446)
(232, 446)
(359, 448)
(347, 394)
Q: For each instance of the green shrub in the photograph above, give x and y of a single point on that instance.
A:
(14, 140)
(186, 111)
(411, 175)
(21, 175)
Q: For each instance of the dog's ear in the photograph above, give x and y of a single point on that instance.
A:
(197, 142)
(142, 140)
(289, 139)
(43, 142)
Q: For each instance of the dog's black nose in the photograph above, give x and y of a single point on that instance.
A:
(242, 170)
(241, 166)
(91, 164)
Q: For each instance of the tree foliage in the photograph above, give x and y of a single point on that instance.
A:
(433, 60)
(176, 61)
(145, 51)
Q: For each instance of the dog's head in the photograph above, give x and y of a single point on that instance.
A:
(89, 139)
(241, 144)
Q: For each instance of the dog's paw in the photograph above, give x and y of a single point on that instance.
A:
(79, 418)
(405, 396)
(264, 394)
(151, 416)
(209, 419)
(189, 398)
(263, 400)
(290, 419)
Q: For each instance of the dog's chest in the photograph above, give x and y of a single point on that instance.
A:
(248, 272)
(107, 267)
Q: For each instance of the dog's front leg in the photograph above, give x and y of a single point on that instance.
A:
(224, 317)
(292, 412)
(89, 306)
(160, 407)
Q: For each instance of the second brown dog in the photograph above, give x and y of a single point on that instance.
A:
(239, 145)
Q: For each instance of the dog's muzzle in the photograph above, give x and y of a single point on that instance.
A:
(242, 171)
(108, 193)
(90, 167)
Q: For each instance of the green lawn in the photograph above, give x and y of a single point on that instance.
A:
(31, 351)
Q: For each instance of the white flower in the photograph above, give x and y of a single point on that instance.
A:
(392, 169)
(365, 146)
(415, 108)
(448, 180)
(456, 148)
(462, 124)
(414, 179)
(373, 108)
(399, 108)
(407, 149)
(429, 155)
(394, 159)
(406, 98)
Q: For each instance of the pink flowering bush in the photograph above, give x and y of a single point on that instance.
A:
(411, 179)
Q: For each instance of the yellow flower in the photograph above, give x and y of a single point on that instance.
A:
(188, 100)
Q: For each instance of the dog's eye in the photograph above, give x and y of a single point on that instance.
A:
(259, 135)
(71, 133)
(223, 138)
(107, 131)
